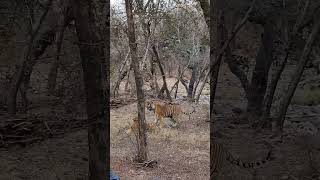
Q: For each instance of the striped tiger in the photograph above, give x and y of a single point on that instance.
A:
(134, 127)
(166, 110)
(218, 154)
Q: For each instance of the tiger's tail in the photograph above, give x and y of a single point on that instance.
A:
(189, 113)
(254, 164)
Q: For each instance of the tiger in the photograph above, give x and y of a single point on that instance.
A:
(134, 127)
(164, 110)
(218, 154)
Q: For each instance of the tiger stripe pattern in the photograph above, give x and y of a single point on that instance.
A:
(166, 110)
(134, 127)
(218, 154)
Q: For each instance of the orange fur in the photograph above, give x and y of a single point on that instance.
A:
(164, 110)
(134, 127)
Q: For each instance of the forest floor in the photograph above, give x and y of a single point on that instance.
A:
(297, 157)
(181, 152)
(66, 156)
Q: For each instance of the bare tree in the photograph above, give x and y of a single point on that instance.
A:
(142, 138)
(288, 93)
(164, 87)
(29, 57)
(217, 53)
(53, 73)
(121, 75)
(287, 38)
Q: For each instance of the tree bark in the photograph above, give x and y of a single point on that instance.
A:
(220, 39)
(27, 62)
(200, 77)
(154, 82)
(259, 79)
(205, 9)
(141, 137)
(192, 81)
(131, 79)
(121, 75)
(287, 38)
(164, 86)
(297, 75)
(92, 52)
(53, 73)
(237, 71)
(202, 86)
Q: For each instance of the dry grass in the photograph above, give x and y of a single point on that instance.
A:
(170, 147)
(181, 152)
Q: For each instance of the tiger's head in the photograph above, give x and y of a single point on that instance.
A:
(150, 105)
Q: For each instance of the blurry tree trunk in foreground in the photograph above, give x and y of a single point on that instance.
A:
(141, 137)
(92, 53)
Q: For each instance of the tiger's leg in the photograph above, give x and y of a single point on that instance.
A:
(174, 120)
(161, 122)
(157, 120)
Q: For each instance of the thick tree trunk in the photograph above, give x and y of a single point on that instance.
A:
(91, 52)
(141, 137)
(259, 80)
(297, 74)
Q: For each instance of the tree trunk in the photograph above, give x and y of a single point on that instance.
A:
(271, 89)
(141, 137)
(259, 80)
(200, 77)
(53, 73)
(91, 53)
(164, 86)
(276, 76)
(121, 75)
(220, 39)
(202, 86)
(126, 86)
(205, 9)
(215, 58)
(131, 79)
(154, 82)
(192, 81)
(237, 71)
(30, 54)
(297, 75)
